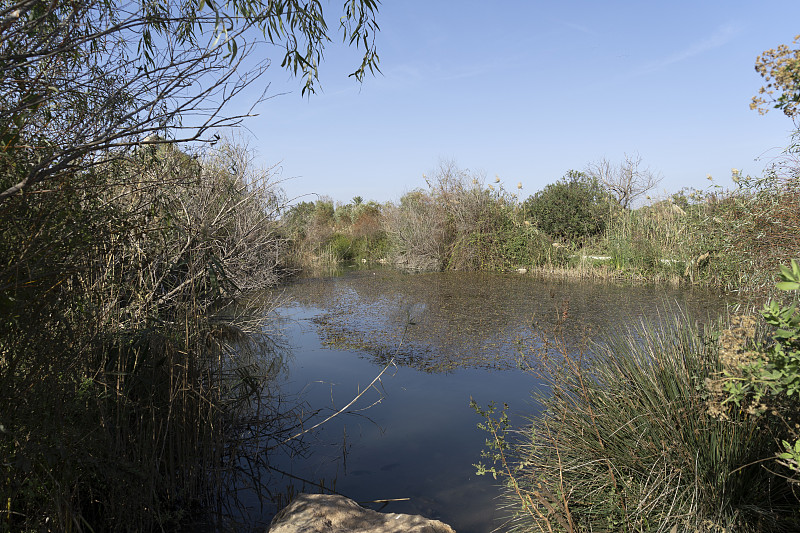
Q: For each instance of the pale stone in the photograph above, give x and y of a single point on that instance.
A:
(322, 513)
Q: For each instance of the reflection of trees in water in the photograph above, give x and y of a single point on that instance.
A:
(442, 321)
(265, 424)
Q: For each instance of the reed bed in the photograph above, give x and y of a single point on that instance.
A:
(124, 368)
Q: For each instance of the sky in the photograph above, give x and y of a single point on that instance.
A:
(527, 90)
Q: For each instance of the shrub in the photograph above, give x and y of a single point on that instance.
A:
(574, 208)
(297, 219)
(462, 224)
(418, 233)
(762, 376)
(341, 247)
(324, 236)
(119, 308)
(753, 227)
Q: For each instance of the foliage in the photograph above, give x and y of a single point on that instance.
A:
(460, 223)
(418, 232)
(497, 444)
(124, 262)
(323, 234)
(625, 443)
(574, 208)
(654, 240)
(83, 81)
(780, 68)
(751, 228)
(763, 378)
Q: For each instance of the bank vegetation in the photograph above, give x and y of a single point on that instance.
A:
(727, 238)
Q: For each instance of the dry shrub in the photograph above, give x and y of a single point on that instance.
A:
(417, 230)
(750, 229)
(460, 223)
(121, 370)
(368, 223)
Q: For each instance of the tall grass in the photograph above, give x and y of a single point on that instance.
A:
(625, 442)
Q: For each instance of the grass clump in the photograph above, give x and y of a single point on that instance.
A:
(626, 442)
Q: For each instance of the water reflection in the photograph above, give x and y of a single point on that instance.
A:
(438, 322)
(453, 336)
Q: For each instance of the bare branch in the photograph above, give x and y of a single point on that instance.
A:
(627, 181)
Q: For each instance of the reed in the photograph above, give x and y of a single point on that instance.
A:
(123, 369)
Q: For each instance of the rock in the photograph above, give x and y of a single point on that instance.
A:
(322, 513)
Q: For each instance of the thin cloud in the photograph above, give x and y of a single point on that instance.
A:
(719, 38)
(580, 28)
(411, 75)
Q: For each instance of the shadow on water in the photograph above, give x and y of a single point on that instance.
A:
(451, 337)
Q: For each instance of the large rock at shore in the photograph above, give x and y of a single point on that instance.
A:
(321, 513)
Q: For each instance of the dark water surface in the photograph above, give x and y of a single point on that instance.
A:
(451, 337)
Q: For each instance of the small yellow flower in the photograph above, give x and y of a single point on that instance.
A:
(496, 178)
(519, 185)
(491, 188)
(708, 177)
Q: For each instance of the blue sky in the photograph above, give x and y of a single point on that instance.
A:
(529, 90)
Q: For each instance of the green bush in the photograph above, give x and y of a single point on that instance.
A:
(341, 247)
(762, 376)
(297, 219)
(574, 208)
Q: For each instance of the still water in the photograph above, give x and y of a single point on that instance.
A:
(442, 338)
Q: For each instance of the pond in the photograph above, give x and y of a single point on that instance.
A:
(440, 339)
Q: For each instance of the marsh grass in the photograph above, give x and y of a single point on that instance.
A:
(625, 443)
(125, 340)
